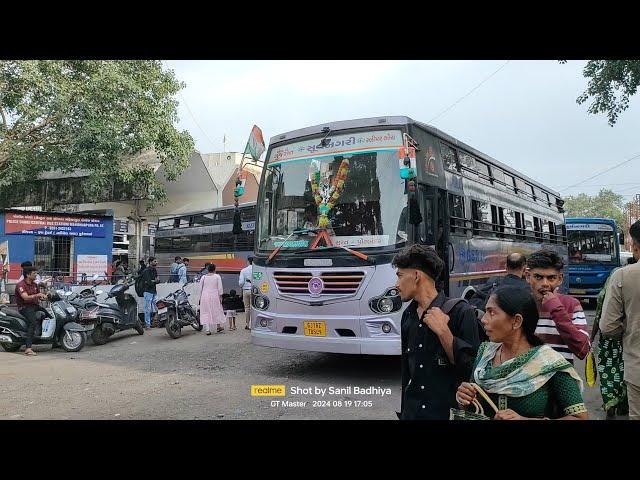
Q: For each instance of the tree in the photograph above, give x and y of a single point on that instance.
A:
(611, 83)
(90, 115)
(606, 204)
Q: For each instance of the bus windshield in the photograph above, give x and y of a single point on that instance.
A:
(592, 246)
(359, 197)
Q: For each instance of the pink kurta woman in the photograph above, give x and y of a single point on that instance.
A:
(211, 312)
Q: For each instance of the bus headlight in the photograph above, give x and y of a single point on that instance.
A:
(385, 305)
(388, 302)
(260, 302)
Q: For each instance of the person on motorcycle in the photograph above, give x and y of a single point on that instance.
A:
(27, 300)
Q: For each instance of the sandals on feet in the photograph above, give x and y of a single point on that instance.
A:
(32, 353)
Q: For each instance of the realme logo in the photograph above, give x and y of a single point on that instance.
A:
(268, 390)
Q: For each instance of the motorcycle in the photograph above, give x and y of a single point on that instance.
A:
(104, 318)
(58, 326)
(176, 312)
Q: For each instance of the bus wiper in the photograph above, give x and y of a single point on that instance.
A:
(360, 255)
(277, 249)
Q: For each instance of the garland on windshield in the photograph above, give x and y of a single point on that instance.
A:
(326, 201)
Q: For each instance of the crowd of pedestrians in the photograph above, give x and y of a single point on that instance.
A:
(517, 362)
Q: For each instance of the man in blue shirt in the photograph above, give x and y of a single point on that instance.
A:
(182, 271)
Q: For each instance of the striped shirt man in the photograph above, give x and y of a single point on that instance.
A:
(563, 326)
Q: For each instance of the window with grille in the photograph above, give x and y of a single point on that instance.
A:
(53, 254)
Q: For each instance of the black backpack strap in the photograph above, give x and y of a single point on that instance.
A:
(451, 303)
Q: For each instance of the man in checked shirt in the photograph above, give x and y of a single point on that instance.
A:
(562, 323)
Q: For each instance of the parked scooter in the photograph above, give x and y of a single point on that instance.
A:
(108, 318)
(176, 312)
(58, 326)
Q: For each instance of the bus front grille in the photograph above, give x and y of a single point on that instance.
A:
(335, 283)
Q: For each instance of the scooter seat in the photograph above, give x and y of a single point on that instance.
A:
(11, 312)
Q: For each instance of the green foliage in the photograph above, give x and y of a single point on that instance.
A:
(90, 115)
(606, 204)
(611, 83)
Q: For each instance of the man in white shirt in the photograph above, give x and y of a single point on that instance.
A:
(246, 274)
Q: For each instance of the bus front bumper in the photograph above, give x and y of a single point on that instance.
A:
(353, 345)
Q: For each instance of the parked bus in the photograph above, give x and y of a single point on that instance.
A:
(332, 289)
(594, 251)
(207, 237)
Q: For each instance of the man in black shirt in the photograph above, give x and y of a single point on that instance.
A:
(438, 349)
(150, 279)
(516, 266)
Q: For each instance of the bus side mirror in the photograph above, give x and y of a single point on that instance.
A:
(621, 238)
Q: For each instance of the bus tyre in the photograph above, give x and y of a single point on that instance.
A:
(10, 347)
(173, 326)
(98, 336)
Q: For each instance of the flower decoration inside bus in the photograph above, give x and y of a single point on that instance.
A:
(326, 192)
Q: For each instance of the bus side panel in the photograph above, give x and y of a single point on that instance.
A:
(477, 259)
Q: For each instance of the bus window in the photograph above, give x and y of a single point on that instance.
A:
(545, 230)
(537, 225)
(509, 181)
(225, 216)
(483, 172)
(498, 178)
(522, 187)
(448, 157)
(482, 219)
(201, 220)
(468, 164)
(164, 244)
(456, 212)
(541, 197)
(552, 232)
(495, 220)
(528, 225)
(166, 224)
(509, 221)
(519, 225)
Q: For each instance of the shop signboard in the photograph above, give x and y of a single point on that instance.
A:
(29, 223)
(91, 265)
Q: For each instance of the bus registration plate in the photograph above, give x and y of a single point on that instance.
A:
(315, 329)
(577, 292)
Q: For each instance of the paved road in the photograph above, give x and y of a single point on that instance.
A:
(198, 377)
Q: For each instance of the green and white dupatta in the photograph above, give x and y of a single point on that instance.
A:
(522, 375)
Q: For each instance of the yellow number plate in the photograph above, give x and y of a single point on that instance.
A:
(578, 292)
(315, 329)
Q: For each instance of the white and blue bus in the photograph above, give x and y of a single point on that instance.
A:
(337, 201)
(594, 251)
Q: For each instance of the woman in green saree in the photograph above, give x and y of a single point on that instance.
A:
(610, 365)
(525, 378)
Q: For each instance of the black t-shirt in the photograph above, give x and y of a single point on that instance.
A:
(429, 380)
(149, 275)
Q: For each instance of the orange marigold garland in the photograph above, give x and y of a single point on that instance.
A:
(327, 198)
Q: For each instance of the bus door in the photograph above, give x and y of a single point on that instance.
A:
(433, 229)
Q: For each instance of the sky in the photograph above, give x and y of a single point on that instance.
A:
(522, 113)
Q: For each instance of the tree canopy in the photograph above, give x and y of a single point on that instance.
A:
(607, 204)
(90, 115)
(611, 83)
